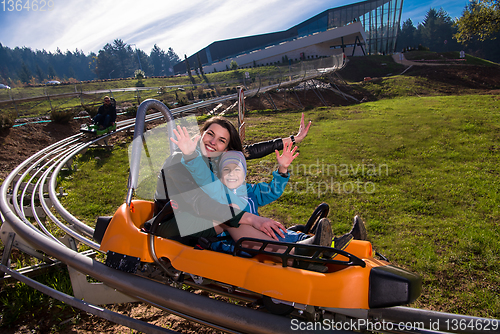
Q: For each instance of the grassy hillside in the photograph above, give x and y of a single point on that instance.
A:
(422, 172)
(419, 162)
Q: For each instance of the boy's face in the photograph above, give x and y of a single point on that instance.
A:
(232, 176)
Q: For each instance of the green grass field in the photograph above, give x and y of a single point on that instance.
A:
(422, 172)
(420, 168)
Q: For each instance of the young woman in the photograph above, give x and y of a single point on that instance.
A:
(194, 210)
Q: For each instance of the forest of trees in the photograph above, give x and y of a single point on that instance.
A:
(437, 33)
(478, 30)
(20, 66)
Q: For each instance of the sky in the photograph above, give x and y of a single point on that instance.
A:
(185, 26)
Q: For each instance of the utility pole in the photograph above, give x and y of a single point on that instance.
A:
(138, 58)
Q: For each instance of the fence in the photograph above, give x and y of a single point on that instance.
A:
(42, 100)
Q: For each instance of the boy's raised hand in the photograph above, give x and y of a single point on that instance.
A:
(184, 141)
(286, 158)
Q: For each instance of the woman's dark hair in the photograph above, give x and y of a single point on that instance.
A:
(234, 143)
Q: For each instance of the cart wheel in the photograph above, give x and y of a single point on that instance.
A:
(276, 308)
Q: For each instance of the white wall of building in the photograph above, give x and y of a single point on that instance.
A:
(312, 47)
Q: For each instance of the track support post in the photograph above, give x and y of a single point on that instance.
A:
(7, 249)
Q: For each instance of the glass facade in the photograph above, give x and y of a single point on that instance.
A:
(380, 18)
(381, 25)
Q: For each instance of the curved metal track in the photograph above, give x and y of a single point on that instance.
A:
(35, 180)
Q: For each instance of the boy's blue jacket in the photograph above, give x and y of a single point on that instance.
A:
(248, 197)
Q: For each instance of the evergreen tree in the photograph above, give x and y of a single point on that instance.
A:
(406, 36)
(24, 73)
(113, 60)
(157, 57)
(437, 31)
(188, 69)
(199, 63)
(39, 73)
(123, 54)
(173, 59)
(52, 72)
(104, 64)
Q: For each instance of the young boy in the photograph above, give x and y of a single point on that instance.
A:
(231, 187)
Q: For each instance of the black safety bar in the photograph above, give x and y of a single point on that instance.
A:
(298, 248)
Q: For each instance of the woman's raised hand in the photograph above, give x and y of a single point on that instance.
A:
(303, 130)
(184, 141)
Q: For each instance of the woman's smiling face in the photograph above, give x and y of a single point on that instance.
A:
(214, 141)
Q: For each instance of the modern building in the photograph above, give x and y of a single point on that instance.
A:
(366, 27)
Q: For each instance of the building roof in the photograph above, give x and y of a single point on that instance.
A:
(336, 17)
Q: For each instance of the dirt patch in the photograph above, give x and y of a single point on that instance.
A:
(21, 142)
(458, 77)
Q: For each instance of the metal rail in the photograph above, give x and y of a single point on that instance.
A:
(17, 230)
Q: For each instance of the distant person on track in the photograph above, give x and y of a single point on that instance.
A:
(106, 115)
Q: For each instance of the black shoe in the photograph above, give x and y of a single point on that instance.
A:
(323, 236)
(339, 243)
(342, 242)
(358, 230)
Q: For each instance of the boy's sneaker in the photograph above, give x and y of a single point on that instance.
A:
(324, 233)
(342, 242)
(323, 236)
(339, 243)
(358, 230)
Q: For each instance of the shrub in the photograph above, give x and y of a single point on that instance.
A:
(90, 109)
(63, 116)
(6, 121)
(131, 111)
(139, 74)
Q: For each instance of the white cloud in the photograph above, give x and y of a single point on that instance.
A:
(186, 26)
